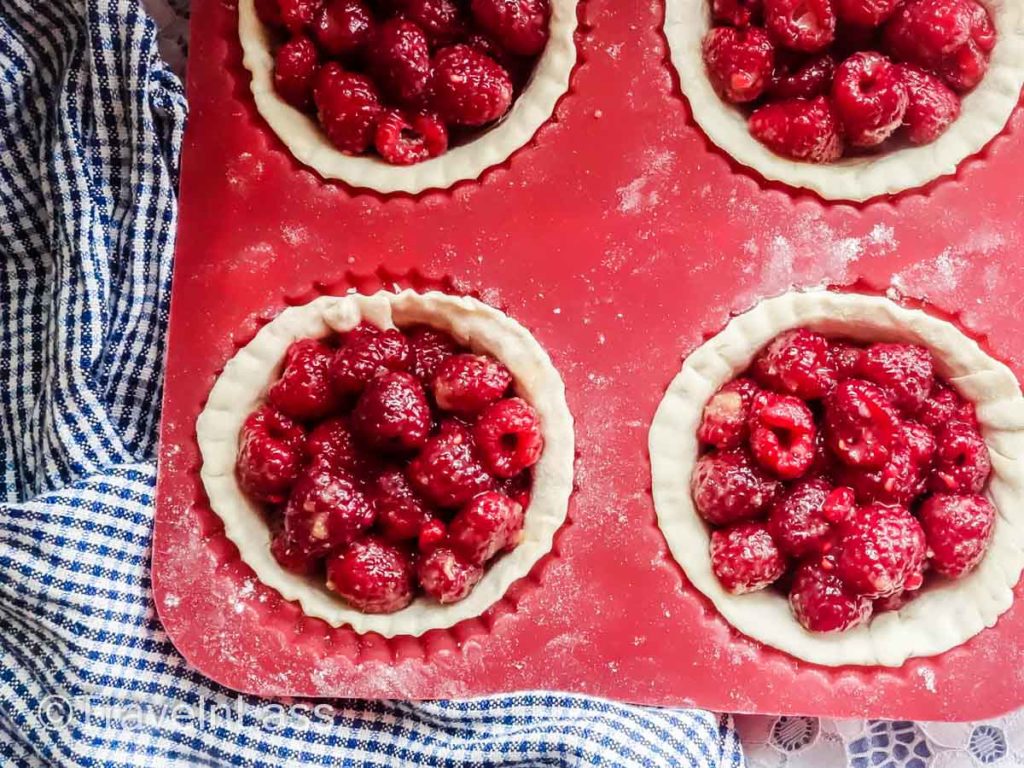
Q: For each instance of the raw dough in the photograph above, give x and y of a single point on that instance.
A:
(304, 138)
(985, 112)
(241, 387)
(946, 614)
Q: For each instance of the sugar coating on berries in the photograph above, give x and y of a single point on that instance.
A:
(373, 576)
(468, 88)
(270, 455)
(725, 422)
(520, 26)
(783, 435)
(488, 524)
(801, 25)
(800, 129)
(882, 547)
(870, 97)
(508, 437)
(303, 390)
(821, 602)
(905, 370)
(447, 471)
(392, 414)
(349, 106)
(366, 355)
(447, 576)
(958, 529)
(467, 383)
(860, 424)
(806, 519)
(745, 557)
(739, 62)
(728, 486)
(962, 462)
(797, 363)
(845, 357)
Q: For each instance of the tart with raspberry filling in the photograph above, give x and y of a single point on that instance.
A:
(850, 98)
(393, 462)
(836, 472)
(406, 95)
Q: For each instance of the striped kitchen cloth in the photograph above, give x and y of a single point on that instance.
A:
(89, 145)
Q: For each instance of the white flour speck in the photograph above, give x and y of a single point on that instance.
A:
(928, 676)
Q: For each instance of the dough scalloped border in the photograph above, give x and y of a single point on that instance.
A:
(984, 114)
(304, 139)
(241, 387)
(946, 614)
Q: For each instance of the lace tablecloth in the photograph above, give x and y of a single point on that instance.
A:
(794, 742)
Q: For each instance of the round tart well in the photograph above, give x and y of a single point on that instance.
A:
(243, 385)
(945, 613)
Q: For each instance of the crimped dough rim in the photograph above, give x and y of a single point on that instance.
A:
(985, 112)
(947, 613)
(307, 142)
(246, 377)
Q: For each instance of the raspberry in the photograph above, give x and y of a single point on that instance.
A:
(343, 28)
(744, 558)
(295, 66)
(739, 62)
(392, 414)
(870, 98)
(303, 391)
(736, 13)
(519, 26)
(296, 15)
(796, 363)
(860, 424)
(367, 355)
(469, 88)
(402, 140)
(845, 358)
(801, 79)
(958, 530)
(728, 487)
(401, 514)
(466, 384)
(292, 557)
(441, 20)
(804, 521)
(802, 25)
(446, 577)
(373, 576)
(822, 603)
(893, 602)
(332, 446)
(270, 455)
(782, 435)
(865, 13)
(429, 347)
(348, 107)
(965, 67)
(400, 60)
(508, 437)
(932, 108)
(944, 406)
(899, 481)
(325, 512)
(269, 12)
(962, 463)
(725, 422)
(881, 551)
(905, 370)
(431, 535)
(490, 523)
(921, 442)
(519, 488)
(447, 472)
(925, 31)
(983, 32)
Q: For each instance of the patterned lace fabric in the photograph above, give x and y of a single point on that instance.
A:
(806, 742)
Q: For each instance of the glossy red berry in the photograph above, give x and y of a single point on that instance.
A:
(783, 435)
(845, 357)
(799, 129)
(860, 424)
(870, 98)
(821, 602)
(400, 60)
(303, 390)
(932, 108)
(904, 370)
(958, 530)
(865, 13)
(469, 88)
(725, 422)
(429, 347)
(801, 25)
(447, 472)
(796, 363)
(366, 355)
(270, 456)
(401, 514)
(519, 26)
(392, 414)
(508, 437)
(446, 576)
(745, 558)
(944, 406)
(332, 445)
(801, 78)
(881, 551)
(962, 462)
(924, 32)
(737, 13)
(373, 576)
(467, 383)
(343, 28)
(296, 64)
(739, 62)
(326, 512)
(728, 487)
(404, 140)
(489, 523)
(297, 15)
(348, 106)
(804, 522)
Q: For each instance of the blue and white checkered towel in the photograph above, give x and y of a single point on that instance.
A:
(89, 141)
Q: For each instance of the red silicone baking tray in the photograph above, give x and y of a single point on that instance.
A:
(621, 237)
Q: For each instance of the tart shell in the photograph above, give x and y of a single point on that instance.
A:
(984, 114)
(246, 377)
(307, 142)
(944, 614)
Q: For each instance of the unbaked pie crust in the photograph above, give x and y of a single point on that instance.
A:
(307, 142)
(946, 613)
(240, 389)
(985, 111)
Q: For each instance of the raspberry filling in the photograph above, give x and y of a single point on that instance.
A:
(403, 79)
(824, 79)
(846, 475)
(391, 463)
